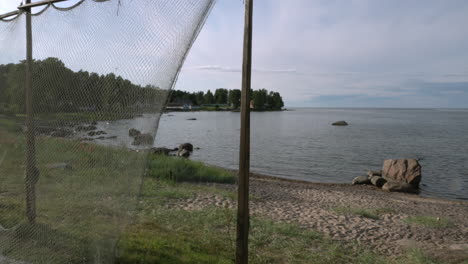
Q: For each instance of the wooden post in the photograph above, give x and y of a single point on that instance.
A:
(243, 223)
(32, 173)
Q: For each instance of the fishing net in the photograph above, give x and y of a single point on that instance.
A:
(101, 73)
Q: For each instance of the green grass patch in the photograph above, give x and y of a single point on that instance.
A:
(417, 256)
(184, 170)
(208, 236)
(81, 208)
(368, 213)
(429, 221)
(384, 210)
(10, 125)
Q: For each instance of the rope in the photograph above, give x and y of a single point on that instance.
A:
(67, 8)
(42, 11)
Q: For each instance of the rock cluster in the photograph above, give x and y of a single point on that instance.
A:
(184, 150)
(400, 175)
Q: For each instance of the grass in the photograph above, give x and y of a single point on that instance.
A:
(184, 170)
(208, 236)
(429, 221)
(9, 125)
(165, 235)
(79, 116)
(80, 211)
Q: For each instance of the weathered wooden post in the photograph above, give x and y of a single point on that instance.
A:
(32, 173)
(243, 223)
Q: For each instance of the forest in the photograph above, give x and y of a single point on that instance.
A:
(58, 89)
(261, 99)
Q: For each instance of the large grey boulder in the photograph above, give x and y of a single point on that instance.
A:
(361, 180)
(402, 171)
(399, 187)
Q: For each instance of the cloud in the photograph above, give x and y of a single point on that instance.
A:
(364, 48)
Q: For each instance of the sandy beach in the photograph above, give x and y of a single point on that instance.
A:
(317, 206)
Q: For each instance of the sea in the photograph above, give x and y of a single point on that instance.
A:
(302, 144)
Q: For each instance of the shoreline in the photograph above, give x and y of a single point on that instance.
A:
(332, 184)
(352, 213)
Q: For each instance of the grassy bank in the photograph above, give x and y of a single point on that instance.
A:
(66, 118)
(84, 209)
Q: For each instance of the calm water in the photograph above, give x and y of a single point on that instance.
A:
(302, 144)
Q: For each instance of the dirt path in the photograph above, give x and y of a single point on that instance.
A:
(314, 206)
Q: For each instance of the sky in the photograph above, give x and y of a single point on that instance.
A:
(332, 53)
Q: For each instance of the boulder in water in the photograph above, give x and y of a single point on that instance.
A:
(185, 150)
(134, 132)
(403, 171)
(186, 146)
(340, 123)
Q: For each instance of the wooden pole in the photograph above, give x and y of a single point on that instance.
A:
(243, 223)
(32, 173)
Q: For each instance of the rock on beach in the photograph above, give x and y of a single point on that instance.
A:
(399, 187)
(378, 181)
(403, 171)
(361, 180)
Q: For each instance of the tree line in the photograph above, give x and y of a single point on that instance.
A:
(261, 99)
(57, 88)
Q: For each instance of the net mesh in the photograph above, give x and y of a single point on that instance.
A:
(93, 63)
